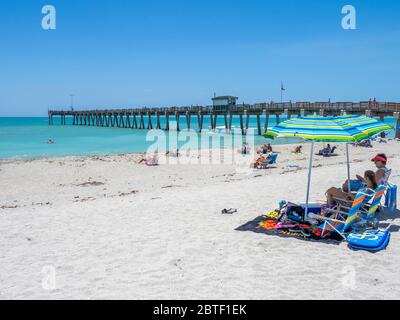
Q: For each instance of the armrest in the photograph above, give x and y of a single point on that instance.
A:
(317, 217)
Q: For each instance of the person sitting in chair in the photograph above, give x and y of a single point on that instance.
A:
(261, 158)
(382, 174)
(370, 185)
(327, 150)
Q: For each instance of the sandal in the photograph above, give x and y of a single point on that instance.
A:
(229, 211)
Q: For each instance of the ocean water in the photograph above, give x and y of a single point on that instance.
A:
(26, 138)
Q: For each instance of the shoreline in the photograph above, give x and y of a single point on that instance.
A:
(133, 154)
(141, 154)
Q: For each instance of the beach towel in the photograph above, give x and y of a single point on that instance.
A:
(269, 224)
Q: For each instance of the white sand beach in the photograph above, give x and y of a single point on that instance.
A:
(111, 228)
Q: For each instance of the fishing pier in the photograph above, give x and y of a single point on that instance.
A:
(153, 118)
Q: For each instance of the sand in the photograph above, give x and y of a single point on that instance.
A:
(106, 228)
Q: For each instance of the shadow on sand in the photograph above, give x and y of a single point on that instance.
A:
(387, 218)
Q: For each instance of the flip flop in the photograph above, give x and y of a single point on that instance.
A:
(229, 211)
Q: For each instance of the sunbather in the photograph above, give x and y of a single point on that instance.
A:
(259, 161)
(328, 148)
(327, 151)
(297, 150)
(380, 140)
(265, 149)
(149, 160)
(382, 174)
(365, 143)
(370, 184)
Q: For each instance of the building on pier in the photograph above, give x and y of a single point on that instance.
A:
(221, 103)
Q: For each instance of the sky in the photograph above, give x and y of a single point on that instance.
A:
(136, 53)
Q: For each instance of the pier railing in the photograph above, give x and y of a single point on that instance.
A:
(135, 117)
(377, 107)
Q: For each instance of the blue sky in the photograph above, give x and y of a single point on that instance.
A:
(132, 53)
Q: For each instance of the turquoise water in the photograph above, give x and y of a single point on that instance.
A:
(26, 138)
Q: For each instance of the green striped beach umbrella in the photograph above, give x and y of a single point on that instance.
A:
(367, 125)
(347, 129)
(350, 128)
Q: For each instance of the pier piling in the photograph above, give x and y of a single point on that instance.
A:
(200, 121)
(166, 121)
(266, 121)
(188, 120)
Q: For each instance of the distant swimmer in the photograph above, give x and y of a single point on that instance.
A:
(50, 141)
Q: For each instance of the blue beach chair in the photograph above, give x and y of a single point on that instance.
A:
(270, 161)
(342, 226)
(375, 204)
(367, 216)
(328, 153)
(391, 197)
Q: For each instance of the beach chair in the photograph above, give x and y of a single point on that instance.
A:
(344, 204)
(326, 152)
(371, 204)
(391, 193)
(368, 212)
(391, 197)
(376, 202)
(270, 161)
(333, 151)
(273, 158)
(347, 218)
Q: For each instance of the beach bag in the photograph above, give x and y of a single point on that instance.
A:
(295, 212)
(371, 240)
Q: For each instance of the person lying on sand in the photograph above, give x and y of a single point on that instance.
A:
(365, 143)
(370, 184)
(150, 160)
(382, 174)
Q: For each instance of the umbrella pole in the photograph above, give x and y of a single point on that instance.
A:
(309, 177)
(348, 168)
